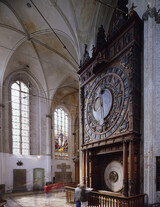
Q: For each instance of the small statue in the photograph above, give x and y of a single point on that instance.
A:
(157, 17)
(86, 55)
(131, 10)
(93, 50)
(101, 38)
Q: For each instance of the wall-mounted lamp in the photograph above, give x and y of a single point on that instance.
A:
(19, 163)
(152, 12)
(48, 116)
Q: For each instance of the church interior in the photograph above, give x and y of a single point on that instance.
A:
(80, 99)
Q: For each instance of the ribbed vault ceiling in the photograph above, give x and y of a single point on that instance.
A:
(26, 39)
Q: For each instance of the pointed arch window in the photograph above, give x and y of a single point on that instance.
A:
(20, 118)
(61, 134)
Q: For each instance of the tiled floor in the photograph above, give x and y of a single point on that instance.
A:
(56, 199)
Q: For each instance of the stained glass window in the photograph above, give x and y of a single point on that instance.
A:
(61, 134)
(20, 118)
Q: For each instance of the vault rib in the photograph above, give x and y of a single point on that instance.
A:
(13, 29)
(55, 51)
(15, 13)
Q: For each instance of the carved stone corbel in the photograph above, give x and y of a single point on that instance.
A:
(151, 12)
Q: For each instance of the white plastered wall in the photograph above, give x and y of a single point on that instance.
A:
(29, 163)
(39, 138)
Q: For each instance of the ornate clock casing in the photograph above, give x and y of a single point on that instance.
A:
(110, 85)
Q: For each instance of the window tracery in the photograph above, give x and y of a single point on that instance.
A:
(61, 134)
(20, 118)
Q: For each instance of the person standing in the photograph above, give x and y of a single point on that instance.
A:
(84, 195)
(47, 193)
(77, 196)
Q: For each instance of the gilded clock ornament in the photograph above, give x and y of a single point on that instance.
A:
(113, 176)
(106, 102)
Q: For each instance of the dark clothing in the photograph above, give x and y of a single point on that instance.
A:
(1, 196)
(84, 195)
(78, 204)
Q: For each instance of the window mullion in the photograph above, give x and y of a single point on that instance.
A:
(20, 119)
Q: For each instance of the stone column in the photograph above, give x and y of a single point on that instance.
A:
(125, 169)
(149, 100)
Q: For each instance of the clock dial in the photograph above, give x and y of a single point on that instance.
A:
(106, 100)
(113, 176)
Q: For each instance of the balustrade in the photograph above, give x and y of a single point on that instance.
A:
(107, 199)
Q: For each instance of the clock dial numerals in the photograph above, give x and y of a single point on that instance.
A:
(105, 105)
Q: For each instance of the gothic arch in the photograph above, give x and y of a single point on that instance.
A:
(37, 101)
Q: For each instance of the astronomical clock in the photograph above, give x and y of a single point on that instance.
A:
(110, 84)
(106, 103)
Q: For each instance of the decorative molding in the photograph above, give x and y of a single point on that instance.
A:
(126, 60)
(150, 12)
(118, 20)
(125, 125)
(125, 187)
(111, 50)
(131, 184)
(86, 138)
(153, 13)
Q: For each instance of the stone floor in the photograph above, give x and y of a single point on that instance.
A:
(56, 199)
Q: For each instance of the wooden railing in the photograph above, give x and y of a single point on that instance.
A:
(98, 199)
(70, 194)
(3, 203)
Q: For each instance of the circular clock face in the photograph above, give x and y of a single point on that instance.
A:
(106, 102)
(113, 176)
